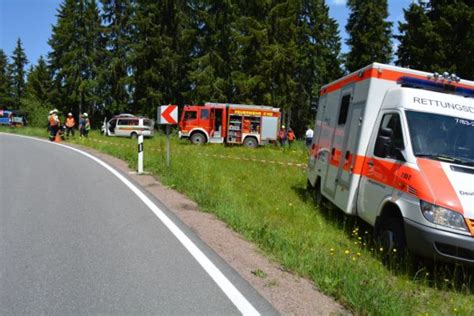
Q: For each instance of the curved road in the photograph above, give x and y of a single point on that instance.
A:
(74, 238)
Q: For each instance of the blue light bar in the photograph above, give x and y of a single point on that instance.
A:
(435, 86)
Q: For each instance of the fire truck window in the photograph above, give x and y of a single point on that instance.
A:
(204, 114)
(191, 115)
(344, 109)
(122, 122)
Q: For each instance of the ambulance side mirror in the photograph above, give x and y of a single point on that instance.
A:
(383, 142)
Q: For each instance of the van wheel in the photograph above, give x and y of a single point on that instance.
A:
(318, 197)
(392, 236)
(133, 135)
(198, 138)
(250, 142)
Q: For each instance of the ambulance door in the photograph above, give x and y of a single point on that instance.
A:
(338, 130)
(352, 134)
(379, 170)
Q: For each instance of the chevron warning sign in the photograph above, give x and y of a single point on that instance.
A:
(168, 114)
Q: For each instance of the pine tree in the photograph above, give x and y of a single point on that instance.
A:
(78, 49)
(214, 51)
(37, 94)
(117, 16)
(39, 82)
(319, 45)
(17, 73)
(251, 37)
(282, 55)
(6, 85)
(438, 36)
(159, 54)
(369, 34)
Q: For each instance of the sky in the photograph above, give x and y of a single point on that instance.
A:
(32, 20)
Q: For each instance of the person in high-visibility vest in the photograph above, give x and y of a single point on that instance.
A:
(54, 124)
(291, 137)
(84, 125)
(70, 124)
(282, 136)
(49, 124)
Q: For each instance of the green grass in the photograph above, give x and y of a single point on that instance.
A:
(268, 204)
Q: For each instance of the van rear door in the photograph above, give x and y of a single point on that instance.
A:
(338, 129)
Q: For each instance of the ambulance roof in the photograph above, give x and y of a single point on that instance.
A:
(392, 73)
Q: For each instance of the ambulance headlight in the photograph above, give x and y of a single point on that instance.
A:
(442, 216)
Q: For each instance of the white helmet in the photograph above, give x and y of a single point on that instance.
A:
(55, 111)
(85, 114)
(69, 114)
(51, 112)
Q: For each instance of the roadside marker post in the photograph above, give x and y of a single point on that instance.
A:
(140, 154)
(168, 115)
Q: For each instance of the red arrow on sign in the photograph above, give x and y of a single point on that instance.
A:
(166, 114)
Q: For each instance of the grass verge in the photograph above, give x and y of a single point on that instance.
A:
(261, 196)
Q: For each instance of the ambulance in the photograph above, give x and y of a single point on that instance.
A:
(395, 147)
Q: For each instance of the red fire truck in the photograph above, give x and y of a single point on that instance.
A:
(250, 125)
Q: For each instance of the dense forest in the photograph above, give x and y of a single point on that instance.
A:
(113, 56)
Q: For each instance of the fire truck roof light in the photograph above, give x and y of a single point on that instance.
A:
(438, 86)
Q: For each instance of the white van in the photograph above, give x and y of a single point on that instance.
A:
(395, 147)
(128, 125)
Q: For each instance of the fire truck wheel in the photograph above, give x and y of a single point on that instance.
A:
(198, 138)
(250, 142)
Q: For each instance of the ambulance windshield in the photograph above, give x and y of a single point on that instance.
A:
(441, 137)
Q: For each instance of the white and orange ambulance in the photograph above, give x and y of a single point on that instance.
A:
(395, 147)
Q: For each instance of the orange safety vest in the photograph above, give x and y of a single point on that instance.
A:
(291, 136)
(70, 122)
(52, 121)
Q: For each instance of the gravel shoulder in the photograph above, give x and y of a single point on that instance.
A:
(287, 293)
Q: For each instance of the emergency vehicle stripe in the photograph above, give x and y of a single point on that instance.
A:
(443, 190)
(385, 74)
(403, 178)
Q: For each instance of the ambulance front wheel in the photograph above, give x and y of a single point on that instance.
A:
(198, 138)
(392, 236)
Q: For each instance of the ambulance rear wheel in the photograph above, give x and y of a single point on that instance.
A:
(198, 138)
(250, 142)
(315, 191)
(133, 135)
(318, 197)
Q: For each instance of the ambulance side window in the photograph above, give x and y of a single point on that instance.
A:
(392, 121)
(344, 109)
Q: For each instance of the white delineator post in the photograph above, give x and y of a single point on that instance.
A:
(140, 154)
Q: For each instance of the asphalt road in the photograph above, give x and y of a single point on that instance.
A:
(75, 239)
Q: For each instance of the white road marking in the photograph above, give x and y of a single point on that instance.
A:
(242, 304)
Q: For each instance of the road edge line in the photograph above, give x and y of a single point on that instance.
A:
(229, 289)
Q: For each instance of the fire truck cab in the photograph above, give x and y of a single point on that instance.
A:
(250, 125)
